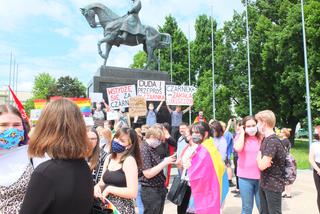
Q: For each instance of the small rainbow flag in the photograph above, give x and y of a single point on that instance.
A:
(39, 104)
(84, 105)
(108, 205)
(208, 179)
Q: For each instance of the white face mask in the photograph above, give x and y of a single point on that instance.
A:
(251, 131)
(154, 144)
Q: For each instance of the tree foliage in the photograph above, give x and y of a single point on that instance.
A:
(67, 87)
(276, 61)
(42, 83)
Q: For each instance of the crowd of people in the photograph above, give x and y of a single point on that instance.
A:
(66, 166)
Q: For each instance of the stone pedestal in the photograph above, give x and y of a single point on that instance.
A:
(108, 76)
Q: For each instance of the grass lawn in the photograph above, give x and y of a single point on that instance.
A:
(300, 151)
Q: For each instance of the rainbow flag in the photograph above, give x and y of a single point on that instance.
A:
(39, 104)
(84, 105)
(208, 179)
(107, 204)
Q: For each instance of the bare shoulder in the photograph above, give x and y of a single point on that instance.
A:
(129, 162)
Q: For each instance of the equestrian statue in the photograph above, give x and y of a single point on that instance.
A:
(125, 30)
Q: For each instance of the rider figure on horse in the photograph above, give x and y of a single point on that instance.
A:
(132, 22)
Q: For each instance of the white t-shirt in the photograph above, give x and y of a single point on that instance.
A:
(13, 164)
(316, 148)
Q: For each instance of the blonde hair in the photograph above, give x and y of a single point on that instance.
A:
(60, 132)
(154, 132)
(268, 117)
(105, 132)
(286, 132)
(223, 124)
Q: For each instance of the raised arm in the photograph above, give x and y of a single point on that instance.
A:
(159, 106)
(239, 141)
(169, 109)
(187, 109)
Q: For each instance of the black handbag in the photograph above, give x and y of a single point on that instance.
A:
(178, 189)
(97, 208)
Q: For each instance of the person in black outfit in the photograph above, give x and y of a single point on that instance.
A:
(271, 162)
(63, 184)
(119, 183)
(152, 179)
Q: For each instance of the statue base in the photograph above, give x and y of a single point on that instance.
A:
(107, 77)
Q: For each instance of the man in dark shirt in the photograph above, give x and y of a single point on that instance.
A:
(271, 162)
(152, 179)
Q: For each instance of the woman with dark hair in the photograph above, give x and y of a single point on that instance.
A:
(15, 165)
(247, 145)
(119, 182)
(64, 183)
(219, 140)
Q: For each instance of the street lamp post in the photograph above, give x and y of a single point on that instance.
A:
(248, 56)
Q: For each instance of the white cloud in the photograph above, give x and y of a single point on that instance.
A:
(64, 31)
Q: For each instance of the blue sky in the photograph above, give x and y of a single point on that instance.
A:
(52, 36)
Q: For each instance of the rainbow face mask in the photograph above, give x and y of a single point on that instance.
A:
(11, 138)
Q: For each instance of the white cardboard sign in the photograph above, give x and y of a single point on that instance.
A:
(180, 94)
(152, 90)
(118, 97)
(95, 97)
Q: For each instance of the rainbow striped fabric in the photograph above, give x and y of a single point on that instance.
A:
(39, 104)
(83, 103)
(208, 179)
(107, 204)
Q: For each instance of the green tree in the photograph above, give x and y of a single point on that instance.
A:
(139, 60)
(67, 87)
(42, 83)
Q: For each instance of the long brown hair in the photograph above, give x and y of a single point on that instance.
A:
(60, 132)
(134, 140)
(94, 157)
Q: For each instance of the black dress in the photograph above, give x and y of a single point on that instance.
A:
(59, 186)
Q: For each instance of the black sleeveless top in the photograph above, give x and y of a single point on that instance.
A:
(115, 178)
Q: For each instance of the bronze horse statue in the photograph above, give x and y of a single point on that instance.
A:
(111, 24)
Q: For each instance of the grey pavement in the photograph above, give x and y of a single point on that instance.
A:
(303, 199)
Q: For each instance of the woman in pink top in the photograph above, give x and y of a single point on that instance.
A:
(247, 144)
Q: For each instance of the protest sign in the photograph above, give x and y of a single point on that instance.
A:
(95, 97)
(180, 94)
(118, 97)
(152, 90)
(137, 106)
(35, 114)
(112, 115)
(88, 121)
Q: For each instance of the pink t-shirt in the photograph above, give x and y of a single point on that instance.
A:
(247, 164)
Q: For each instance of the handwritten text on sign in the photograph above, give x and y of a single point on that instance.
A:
(137, 106)
(118, 97)
(152, 90)
(179, 95)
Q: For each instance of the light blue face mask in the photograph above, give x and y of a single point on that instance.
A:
(11, 138)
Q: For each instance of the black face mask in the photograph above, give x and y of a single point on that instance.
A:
(316, 137)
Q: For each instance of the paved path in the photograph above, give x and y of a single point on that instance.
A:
(303, 199)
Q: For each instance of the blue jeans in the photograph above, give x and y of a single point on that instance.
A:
(139, 201)
(249, 189)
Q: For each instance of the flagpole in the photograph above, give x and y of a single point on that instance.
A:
(248, 60)
(17, 74)
(13, 76)
(171, 60)
(9, 94)
(189, 68)
(213, 79)
(306, 75)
